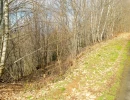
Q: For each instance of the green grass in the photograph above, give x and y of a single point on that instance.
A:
(111, 93)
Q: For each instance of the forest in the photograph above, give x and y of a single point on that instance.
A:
(64, 49)
(48, 34)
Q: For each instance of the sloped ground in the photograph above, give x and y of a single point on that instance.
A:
(95, 75)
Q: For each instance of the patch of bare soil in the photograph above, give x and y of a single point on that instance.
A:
(6, 90)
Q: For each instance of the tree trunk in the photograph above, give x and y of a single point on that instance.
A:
(5, 36)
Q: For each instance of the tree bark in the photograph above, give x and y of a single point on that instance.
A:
(5, 36)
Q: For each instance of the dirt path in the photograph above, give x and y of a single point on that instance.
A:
(125, 90)
(125, 94)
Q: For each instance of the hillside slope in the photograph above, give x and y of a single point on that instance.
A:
(96, 75)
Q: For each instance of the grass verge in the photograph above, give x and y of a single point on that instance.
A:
(111, 92)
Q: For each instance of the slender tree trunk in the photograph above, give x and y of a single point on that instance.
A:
(5, 36)
(1, 11)
(105, 23)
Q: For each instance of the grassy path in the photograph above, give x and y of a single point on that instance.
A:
(96, 75)
(124, 93)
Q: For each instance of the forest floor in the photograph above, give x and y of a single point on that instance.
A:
(96, 75)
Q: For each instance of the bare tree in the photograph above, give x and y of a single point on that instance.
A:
(5, 35)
